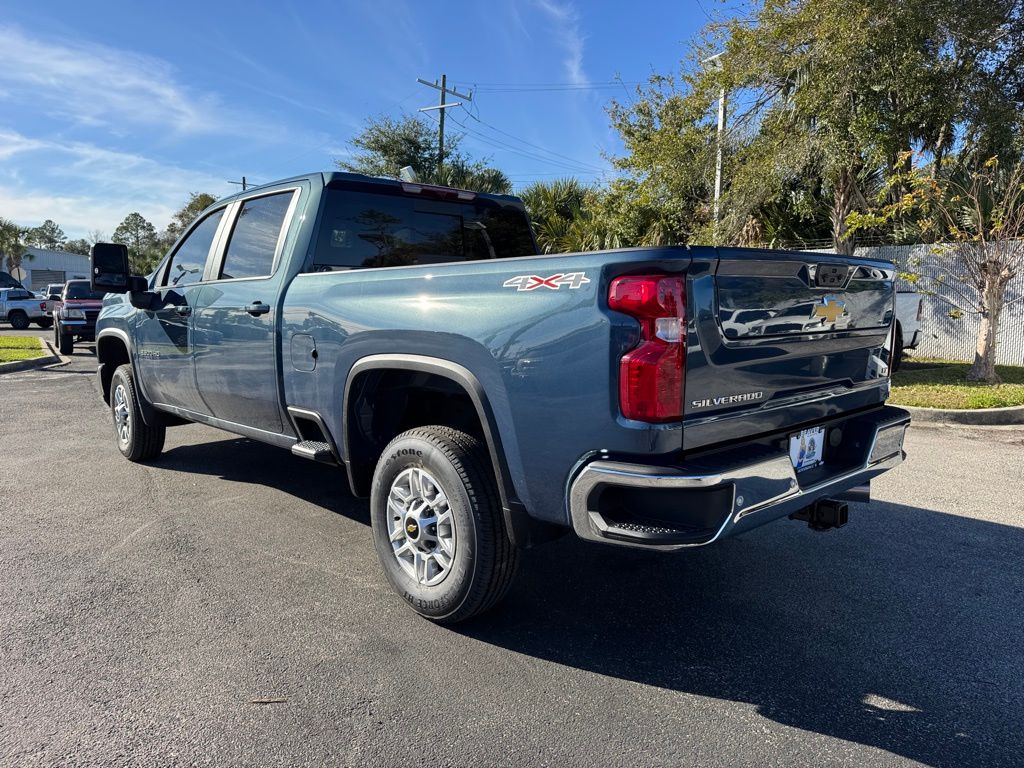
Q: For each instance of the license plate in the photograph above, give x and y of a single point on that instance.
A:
(805, 448)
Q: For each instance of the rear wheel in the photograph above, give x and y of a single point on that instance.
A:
(19, 320)
(46, 322)
(438, 525)
(136, 440)
(897, 349)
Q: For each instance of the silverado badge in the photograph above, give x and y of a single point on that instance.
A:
(830, 309)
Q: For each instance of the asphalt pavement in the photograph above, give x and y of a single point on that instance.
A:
(223, 606)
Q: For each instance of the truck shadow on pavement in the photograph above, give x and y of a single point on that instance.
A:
(902, 631)
(247, 461)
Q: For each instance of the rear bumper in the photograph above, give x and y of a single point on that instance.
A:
(715, 496)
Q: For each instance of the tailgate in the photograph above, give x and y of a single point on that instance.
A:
(780, 339)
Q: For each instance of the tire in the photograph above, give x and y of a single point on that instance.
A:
(482, 560)
(46, 322)
(19, 320)
(897, 351)
(65, 341)
(136, 440)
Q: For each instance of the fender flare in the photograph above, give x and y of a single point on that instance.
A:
(149, 413)
(516, 517)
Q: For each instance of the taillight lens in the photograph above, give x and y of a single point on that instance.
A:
(651, 374)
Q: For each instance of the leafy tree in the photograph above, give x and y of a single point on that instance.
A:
(197, 203)
(83, 245)
(141, 238)
(386, 145)
(976, 215)
(79, 245)
(46, 235)
(12, 249)
(828, 95)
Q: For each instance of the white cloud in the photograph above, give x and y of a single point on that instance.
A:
(99, 86)
(96, 187)
(566, 22)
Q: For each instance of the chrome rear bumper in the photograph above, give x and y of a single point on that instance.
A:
(610, 501)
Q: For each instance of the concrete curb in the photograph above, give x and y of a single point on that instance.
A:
(972, 416)
(50, 357)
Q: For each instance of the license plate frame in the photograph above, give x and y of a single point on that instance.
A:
(806, 448)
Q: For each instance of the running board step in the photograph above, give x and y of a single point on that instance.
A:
(316, 450)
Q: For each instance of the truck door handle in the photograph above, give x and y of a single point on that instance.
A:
(257, 308)
(183, 309)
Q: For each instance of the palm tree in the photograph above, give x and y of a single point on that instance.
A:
(564, 218)
(12, 249)
(475, 177)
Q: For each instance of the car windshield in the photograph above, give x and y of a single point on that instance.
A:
(83, 291)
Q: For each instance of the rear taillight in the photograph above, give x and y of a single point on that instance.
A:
(920, 309)
(651, 374)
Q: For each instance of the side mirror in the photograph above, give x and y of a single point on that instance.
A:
(110, 271)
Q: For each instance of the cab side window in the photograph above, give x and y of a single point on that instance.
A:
(188, 262)
(253, 242)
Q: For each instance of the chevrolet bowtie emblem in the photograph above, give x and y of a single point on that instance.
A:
(830, 308)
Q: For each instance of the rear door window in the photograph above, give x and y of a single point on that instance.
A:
(253, 242)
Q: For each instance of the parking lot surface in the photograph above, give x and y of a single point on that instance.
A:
(223, 606)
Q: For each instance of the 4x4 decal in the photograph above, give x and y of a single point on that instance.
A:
(554, 282)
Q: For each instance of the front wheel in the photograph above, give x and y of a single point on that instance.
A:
(65, 341)
(136, 440)
(438, 525)
(19, 321)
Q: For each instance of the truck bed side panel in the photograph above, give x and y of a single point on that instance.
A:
(546, 358)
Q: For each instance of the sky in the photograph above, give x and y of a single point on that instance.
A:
(109, 108)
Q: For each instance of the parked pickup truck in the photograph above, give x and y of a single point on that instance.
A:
(74, 316)
(21, 307)
(487, 398)
(907, 333)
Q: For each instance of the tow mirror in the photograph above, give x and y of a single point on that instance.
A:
(110, 270)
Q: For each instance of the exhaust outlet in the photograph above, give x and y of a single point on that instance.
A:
(824, 514)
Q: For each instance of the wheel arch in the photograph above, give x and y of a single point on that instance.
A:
(360, 471)
(113, 348)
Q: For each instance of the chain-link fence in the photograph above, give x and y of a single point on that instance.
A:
(948, 337)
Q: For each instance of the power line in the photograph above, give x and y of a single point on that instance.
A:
(554, 86)
(572, 166)
(580, 163)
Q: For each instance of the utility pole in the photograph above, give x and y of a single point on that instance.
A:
(716, 62)
(242, 182)
(718, 156)
(442, 106)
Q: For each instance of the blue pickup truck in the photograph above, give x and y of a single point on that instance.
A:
(487, 398)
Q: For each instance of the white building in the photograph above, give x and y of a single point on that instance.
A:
(40, 267)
